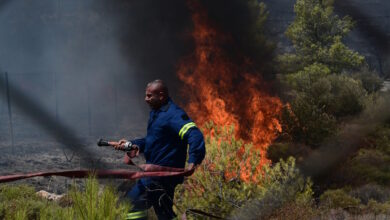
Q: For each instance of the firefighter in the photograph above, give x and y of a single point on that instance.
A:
(169, 132)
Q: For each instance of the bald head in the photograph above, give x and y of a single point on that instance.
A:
(159, 86)
(156, 94)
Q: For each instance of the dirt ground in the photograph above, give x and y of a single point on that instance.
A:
(28, 157)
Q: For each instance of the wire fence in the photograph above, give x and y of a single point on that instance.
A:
(89, 109)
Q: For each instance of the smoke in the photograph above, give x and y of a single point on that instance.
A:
(77, 69)
(84, 64)
(335, 150)
(48, 122)
(371, 26)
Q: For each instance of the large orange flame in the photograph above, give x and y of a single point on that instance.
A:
(221, 89)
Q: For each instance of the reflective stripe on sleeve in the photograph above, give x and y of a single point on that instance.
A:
(185, 128)
(136, 215)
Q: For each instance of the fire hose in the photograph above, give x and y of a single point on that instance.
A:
(147, 170)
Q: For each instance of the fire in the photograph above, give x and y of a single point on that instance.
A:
(222, 89)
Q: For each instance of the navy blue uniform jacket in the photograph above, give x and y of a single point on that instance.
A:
(169, 132)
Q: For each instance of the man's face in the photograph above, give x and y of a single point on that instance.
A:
(153, 97)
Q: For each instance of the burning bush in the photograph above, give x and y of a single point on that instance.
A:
(216, 187)
(223, 86)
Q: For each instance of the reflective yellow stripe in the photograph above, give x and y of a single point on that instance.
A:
(136, 215)
(185, 128)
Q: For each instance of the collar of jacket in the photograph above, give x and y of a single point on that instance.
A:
(165, 107)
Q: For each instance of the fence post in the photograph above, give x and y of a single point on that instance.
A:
(89, 109)
(55, 93)
(11, 129)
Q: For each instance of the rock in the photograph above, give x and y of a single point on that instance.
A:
(50, 196)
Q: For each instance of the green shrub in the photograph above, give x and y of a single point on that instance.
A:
(282, 186)
(377, 208)
(371, 163)
(21, 202)
(371, 81)
(296, 211)
(305, 122)
(93, 203)
(382, 139)
(371, 192)
(344, 97)
(302, 80)
(227, 182)
(314, 112)
(338, 198)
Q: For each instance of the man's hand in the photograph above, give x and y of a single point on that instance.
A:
(134, 152)
(190, 169)
(191, 166)
(120, 145)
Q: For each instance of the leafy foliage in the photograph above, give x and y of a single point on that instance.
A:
(21, 202)
(372, 162)
(371, 82)
(377, 207)
(371, 192)
(216, 187)
(316, 34)
(321, 92)
(282, 186)
(348, 199)
(93, 204)
(338, 198)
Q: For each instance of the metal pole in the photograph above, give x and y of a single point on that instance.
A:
(89, 109)
(116, 102)
(11, 129)
(3, 97)
(56, 93)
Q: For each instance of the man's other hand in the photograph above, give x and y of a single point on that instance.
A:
(191, 166)
(134, 151)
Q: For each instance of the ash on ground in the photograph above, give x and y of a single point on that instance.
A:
(51, 156)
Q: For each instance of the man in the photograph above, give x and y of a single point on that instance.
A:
(169, 133)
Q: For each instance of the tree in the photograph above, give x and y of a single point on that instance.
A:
(317, 34)
(321, 93)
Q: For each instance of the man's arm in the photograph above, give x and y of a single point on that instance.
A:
(197, 149)
(188, 132)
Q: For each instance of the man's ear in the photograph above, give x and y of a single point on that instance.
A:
(162, 96)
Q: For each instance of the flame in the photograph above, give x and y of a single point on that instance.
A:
(221, 89)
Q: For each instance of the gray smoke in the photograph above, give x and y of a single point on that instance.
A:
(335, 150)
(85, 63)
